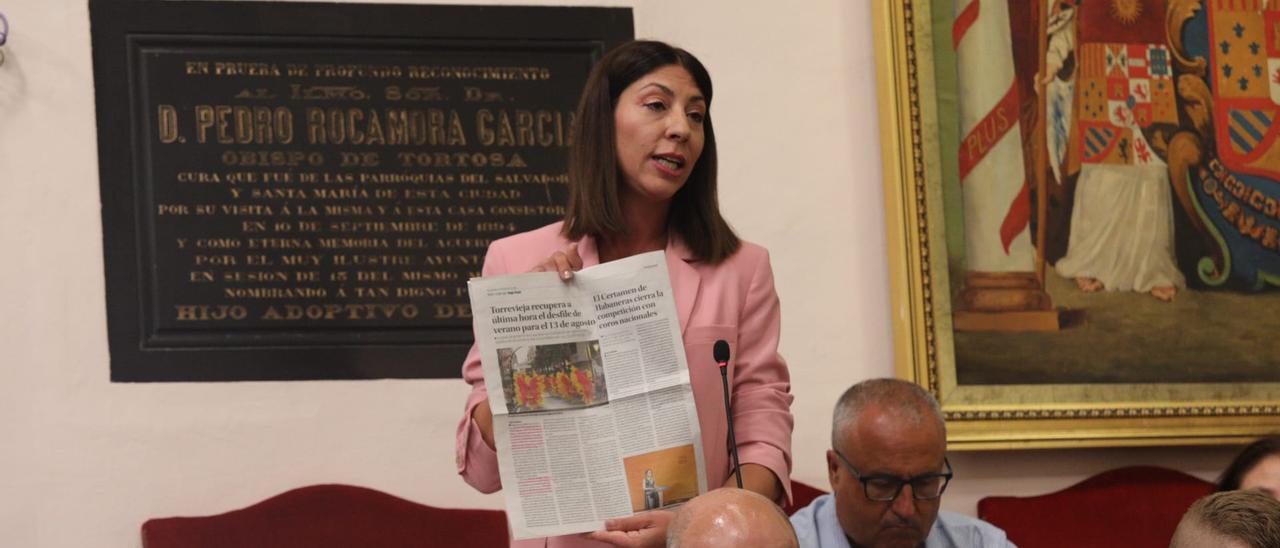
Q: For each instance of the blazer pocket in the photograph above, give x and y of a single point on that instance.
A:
(699, 348)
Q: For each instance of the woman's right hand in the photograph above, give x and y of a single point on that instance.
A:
(565, 262)
(484, 420)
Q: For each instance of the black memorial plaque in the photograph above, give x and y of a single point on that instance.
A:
(301, 191)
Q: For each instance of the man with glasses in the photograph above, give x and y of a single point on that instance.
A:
(888, 469)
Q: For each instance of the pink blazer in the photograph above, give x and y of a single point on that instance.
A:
(734, 301)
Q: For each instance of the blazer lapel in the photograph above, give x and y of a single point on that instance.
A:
(588, 251)
(684, 279)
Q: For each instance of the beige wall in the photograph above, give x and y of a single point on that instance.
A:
(83, 462)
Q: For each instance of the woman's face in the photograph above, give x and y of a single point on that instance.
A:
(1264, 475)
(658, 133)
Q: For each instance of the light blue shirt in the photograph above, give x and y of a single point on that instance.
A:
(817, 527)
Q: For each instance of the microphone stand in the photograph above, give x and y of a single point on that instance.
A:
(728, 412)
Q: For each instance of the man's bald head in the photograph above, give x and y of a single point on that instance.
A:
(731, 517)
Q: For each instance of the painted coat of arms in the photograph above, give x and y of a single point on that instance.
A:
(1230, 51)
(1106, 152)
(1167, 102)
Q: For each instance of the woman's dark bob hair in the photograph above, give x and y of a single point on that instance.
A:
(594, 209)
(1246, 460)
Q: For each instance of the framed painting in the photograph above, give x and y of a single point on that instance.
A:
(1083, 208)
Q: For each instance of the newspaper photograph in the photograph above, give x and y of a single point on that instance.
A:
(593, 415)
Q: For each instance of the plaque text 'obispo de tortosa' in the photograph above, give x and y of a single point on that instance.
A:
(329, 197)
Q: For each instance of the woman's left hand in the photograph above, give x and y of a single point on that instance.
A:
(648, 529)
(564, 262)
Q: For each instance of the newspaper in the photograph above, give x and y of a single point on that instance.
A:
(593, 415)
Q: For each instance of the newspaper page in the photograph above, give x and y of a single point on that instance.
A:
(593, 415)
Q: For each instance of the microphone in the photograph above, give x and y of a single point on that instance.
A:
(721, 354)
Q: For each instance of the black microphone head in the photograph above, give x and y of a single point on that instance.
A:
(721, 351)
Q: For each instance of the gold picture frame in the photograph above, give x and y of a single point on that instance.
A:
(982, 417)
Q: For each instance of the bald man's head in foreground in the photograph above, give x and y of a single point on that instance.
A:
(731, 517)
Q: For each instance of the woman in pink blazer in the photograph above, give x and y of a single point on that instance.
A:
(642, 174)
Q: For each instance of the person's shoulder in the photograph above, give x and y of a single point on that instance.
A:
(814, 523)
(520, 252)
(812, 508)
(549, 233)
(747, 259)
(752, 251)
(748, 267)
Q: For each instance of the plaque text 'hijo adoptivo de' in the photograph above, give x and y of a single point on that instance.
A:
(352, 188)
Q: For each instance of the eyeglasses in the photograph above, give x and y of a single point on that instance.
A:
(887, 488)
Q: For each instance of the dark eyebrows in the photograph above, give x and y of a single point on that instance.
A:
(666, 90)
